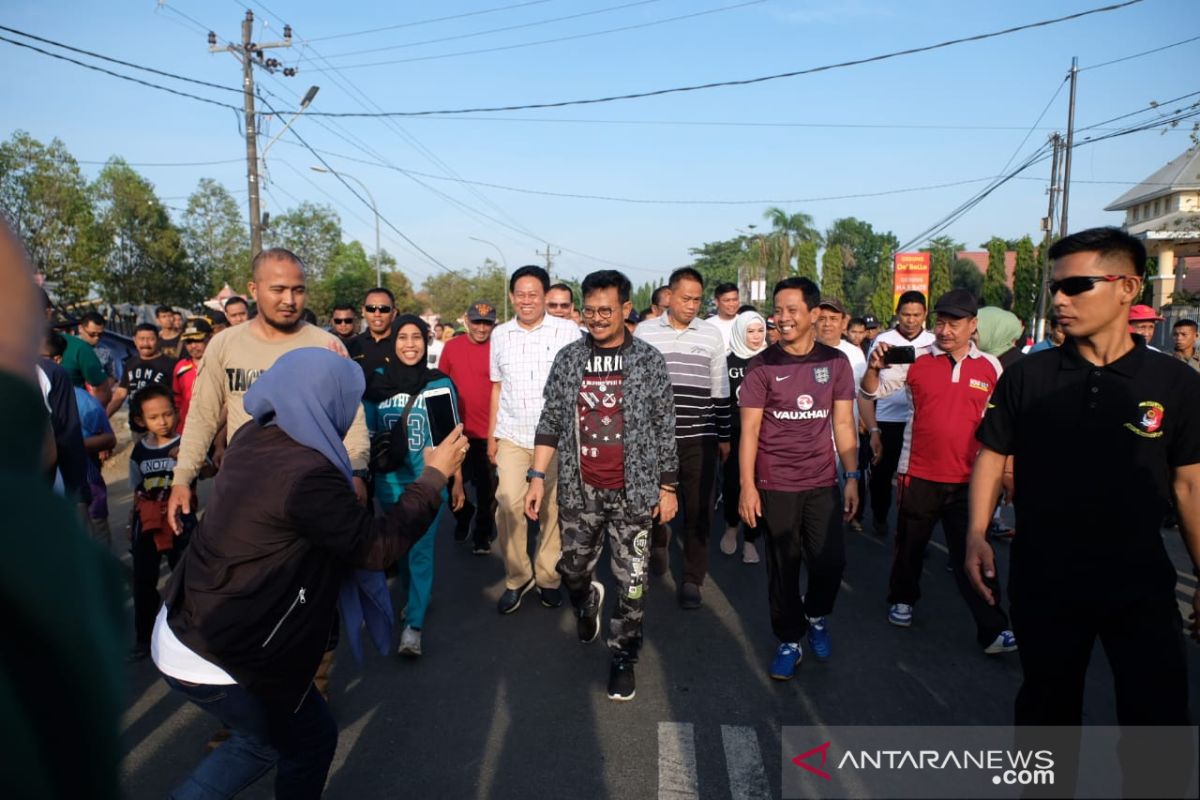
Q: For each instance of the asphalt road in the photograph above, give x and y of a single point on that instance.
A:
(515, 707)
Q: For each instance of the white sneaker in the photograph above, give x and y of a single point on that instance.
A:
(410, 642)
(1004, 642)
(729, 541)
(749, 553)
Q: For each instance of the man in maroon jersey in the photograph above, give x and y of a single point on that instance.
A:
(791, 394)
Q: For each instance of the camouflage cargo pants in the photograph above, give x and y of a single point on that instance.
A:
(628, 531)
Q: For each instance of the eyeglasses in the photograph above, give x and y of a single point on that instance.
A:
(602, 313)
(1081, 283)
(377, 309)
(345, 321)
(558, 305)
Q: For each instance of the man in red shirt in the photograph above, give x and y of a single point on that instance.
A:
(797, 404)
(465, 360)
(949, 386)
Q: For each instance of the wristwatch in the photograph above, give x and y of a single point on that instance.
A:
(874, 430)
(533, 473)
(364, 474)
(856, 474)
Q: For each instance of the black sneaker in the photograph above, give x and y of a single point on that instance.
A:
(551, 598)
(620, 680)
(589, 615)
(510, 601)
(689, 596)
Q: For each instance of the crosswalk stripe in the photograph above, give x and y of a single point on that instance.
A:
(744, 763)
(677, 761)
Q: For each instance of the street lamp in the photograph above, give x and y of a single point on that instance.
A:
(374, 207)
(304, 103)
(504, 262)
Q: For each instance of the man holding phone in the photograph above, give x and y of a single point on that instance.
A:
(949, 388)
(610, 416)
(892, 413)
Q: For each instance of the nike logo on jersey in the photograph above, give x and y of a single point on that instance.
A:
(781, 378)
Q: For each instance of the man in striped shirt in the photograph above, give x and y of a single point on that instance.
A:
(695, 354)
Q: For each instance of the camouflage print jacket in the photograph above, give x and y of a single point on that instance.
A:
(649, 408)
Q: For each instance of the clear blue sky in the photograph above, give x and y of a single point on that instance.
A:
(1002, 84)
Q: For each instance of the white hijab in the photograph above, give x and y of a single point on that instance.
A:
(737, 339)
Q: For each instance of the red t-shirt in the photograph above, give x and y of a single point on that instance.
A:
(182, 381)
(949, 401)
(601, 408)
(796, 394)
(467, 363)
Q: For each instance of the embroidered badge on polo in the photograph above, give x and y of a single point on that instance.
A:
(821, 374)
(1149, 424)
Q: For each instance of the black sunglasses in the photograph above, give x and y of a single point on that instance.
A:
(1081, 283)
(344, 321)
(377, 309)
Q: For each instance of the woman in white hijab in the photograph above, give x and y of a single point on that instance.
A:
(748, 339)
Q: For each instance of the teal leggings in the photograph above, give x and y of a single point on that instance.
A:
(417, 571)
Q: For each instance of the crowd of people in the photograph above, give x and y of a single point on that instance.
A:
(581, 419)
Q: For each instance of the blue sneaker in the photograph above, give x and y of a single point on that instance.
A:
(1004, 642)
(787, 657)
(900, 614)
(818, 638)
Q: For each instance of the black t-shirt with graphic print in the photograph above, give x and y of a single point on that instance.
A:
(601, 409)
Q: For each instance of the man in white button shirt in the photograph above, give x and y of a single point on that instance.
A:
(726, 298)
(893, 412)
(522, 351)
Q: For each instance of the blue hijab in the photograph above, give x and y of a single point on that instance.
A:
(312, 394)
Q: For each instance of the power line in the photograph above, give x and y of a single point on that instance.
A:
(430, 21)
(749, 81)
(360, 198)
(129, 78)
(505, 29)
(556, 39)
(1139, 55)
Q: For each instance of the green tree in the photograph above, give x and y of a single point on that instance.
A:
(995, 280)
(881, 298)
(146, 261)
(1025, 280)
(861, 247)
(720, 261)
(45, 198)
(806, 261)
(311, 231)
(965, 275)
(942, 252)
(642, 295)
(348, 278)
(449, 294)
(406, 300)
(216, 237)
(832, 282)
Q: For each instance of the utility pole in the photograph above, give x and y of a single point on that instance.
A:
(549, 257)
(1048, 227)
(1066, 186)
(251, 53)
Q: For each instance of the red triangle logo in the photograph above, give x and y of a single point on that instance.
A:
(802, 760)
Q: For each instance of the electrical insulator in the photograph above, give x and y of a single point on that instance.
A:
(212, 39)
(287, 31)
(258, 54)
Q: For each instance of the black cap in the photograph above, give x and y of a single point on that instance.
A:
(197, 329)
(869, 321)
(481, 311)
(958, 303)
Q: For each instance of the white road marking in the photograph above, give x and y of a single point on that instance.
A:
(744, 763)
(677, 761)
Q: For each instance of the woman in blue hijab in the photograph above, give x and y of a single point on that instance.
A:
(250, 607)
(397, 411)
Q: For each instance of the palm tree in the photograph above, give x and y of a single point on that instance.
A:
(788, 230)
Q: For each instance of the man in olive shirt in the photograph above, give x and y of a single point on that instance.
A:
(238, 355)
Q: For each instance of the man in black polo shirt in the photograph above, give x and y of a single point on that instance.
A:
(1101, 431)
(376, 346)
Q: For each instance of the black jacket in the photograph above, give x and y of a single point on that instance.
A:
(256, 591)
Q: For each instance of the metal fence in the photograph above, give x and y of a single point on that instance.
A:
(1171, 315)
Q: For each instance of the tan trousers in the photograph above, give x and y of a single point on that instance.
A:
(512, 462)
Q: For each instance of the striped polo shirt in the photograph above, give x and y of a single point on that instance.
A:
(696, 361)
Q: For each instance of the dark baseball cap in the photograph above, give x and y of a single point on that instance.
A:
(481, 311)
(958, 303)
(869, 321)
(834, 303)
(197, 329)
